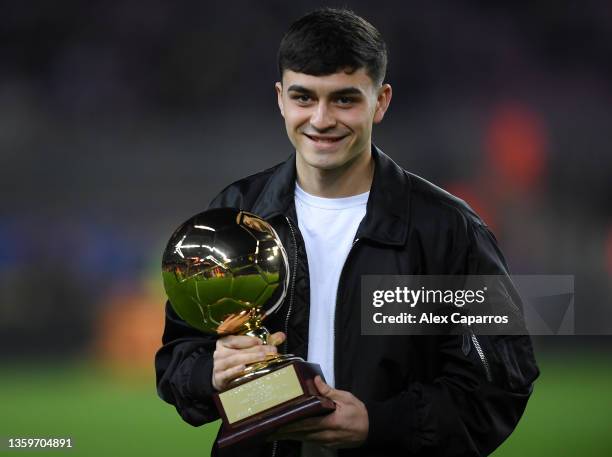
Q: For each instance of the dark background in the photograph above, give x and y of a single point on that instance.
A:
(119, 120)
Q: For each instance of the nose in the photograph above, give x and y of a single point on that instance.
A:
(321, 118)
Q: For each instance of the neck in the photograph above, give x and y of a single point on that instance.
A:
(353, 178)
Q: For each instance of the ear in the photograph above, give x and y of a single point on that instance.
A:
(279, 97)
(382, 102)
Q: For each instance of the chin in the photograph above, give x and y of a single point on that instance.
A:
(327, 164)
(324, 160)
(324, 166)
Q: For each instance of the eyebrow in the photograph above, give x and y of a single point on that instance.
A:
(337, 93)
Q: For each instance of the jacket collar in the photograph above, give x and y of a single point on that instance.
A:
(386, 219)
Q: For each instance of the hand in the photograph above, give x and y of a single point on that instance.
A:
(234, 352)
(346, 427)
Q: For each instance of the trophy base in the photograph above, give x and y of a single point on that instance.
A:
(259, 405)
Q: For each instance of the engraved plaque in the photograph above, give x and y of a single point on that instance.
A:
(260, 394)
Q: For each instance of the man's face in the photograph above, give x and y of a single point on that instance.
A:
(329, 118)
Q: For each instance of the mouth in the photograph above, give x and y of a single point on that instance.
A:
(325, 139)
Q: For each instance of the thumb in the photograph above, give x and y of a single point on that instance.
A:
(324, 389)
(276, 338)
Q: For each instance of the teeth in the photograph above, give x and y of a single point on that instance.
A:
(326, 140)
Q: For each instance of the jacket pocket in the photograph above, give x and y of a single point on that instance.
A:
(516, 354)
(505, 360)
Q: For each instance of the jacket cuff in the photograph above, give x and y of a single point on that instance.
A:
(200, 383)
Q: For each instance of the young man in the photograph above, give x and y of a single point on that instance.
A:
(344, 209)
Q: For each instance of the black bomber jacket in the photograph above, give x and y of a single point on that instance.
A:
(425, 395)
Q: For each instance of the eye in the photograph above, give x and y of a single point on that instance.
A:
(301, 98)
(345, 100)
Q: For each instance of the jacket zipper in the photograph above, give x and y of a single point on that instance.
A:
(348, 256)
(291, 296)
(292, 287)
(483, 357)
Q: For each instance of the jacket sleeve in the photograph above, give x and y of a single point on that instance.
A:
(480, 389)
(183, 368)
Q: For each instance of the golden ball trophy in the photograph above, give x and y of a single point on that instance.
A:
(225, 271)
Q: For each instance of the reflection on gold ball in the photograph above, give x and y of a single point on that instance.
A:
(224, 270)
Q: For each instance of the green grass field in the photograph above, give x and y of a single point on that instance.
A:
(569, 414)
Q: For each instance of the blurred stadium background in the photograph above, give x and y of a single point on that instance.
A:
(119, 120)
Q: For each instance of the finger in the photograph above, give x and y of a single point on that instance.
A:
(323, 388)
(269, 349)
(223, 352)
(222, 378)
(276, 339)
(239, 341)
(333, 394)
(240, 358)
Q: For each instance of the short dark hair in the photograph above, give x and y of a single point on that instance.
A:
(330, 40)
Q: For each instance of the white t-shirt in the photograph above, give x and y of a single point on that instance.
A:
(328, 226)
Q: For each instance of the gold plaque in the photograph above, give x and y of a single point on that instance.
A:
(260, 394)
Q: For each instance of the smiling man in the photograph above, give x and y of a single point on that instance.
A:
(329, 120)
(343, 209)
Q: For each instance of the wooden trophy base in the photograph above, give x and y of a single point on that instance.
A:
(257, 407)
